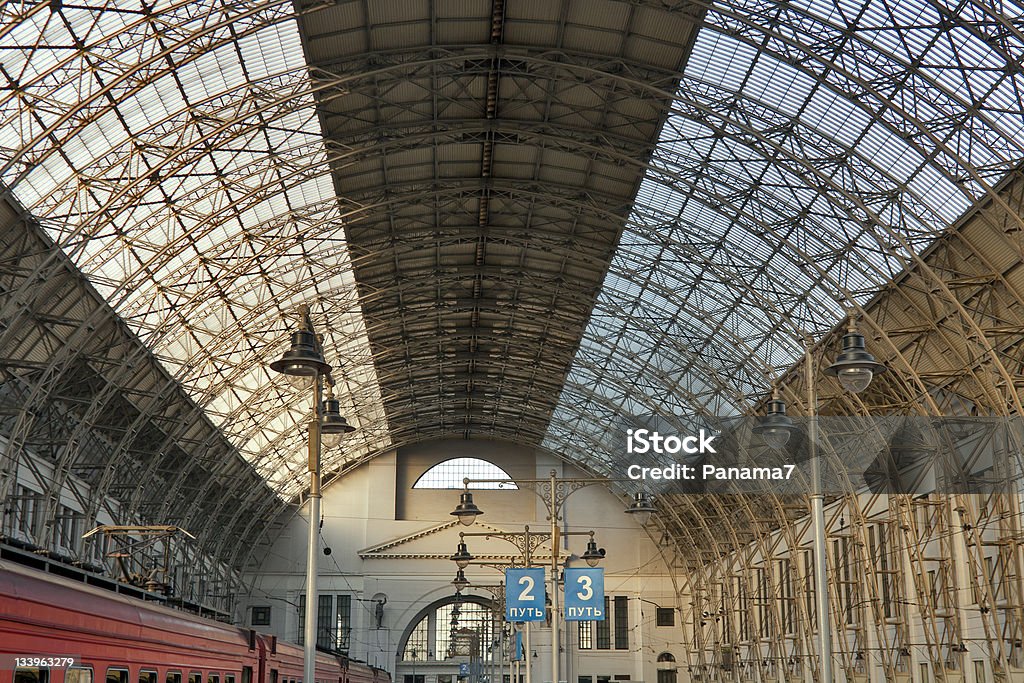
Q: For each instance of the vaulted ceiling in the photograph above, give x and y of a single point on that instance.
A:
(510, 219)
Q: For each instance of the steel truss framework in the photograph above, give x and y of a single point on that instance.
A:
(515, 220)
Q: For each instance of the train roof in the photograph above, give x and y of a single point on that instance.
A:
(34, 591)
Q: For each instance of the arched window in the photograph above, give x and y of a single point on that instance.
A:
(454, 631)
(450, 473)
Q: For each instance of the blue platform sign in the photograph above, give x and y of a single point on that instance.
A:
(584, 594)
(463, 668)
(524, 594)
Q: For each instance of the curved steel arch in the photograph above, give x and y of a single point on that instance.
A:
(212, 319)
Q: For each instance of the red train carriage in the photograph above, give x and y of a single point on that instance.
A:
(117, 639)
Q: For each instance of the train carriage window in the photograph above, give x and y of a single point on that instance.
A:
(173, 677)
(147, 676)
(117, 675)
(229, 678)
(31, 674)
(77, 675)
(195, 677)
(213, 678)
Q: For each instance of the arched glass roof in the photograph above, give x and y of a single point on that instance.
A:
(514, 220)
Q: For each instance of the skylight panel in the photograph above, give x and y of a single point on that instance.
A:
(781, 85)
(781, 220)
(220, 173)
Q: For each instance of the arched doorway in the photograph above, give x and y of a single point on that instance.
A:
(666, 668)
(452, 640)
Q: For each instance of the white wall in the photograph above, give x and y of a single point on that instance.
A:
(360, 512)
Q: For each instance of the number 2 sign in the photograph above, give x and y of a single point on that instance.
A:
(524, 594)
(584, 594)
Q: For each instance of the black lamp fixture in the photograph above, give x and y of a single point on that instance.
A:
(775, 427)
(854, 367)
(303, 360)
(332, 425)
(466, 510)
(642, 506)
(460, 581)
(462, 556)
(593, 555)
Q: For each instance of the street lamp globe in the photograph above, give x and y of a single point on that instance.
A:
(466, 510)
(593, 554)
(854, 367)
(775, 427)
(332, 425)
(462, 556)
(460, 581)
(302, 361)
(642, 507)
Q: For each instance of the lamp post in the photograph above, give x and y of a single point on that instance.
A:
(553, 491)
(855, 368)
(303, 364)
(526, 542)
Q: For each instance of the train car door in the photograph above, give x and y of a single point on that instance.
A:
(261, 664)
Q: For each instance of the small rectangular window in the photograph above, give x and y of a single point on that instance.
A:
(246, 674)
(344, 622)
(586, 635)
(273, 676)
(147, 676)
(621, 622)
(324, 632)
(229, 678)
(31, 674)
(76, 675)
(584, 679)
(603, 628)
(213, 678)
(260, 615)
(173, 677)
(195, 677)
(117, 675)
(621, 677)
(666, 616)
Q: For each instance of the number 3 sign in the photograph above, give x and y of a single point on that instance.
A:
(584, 594)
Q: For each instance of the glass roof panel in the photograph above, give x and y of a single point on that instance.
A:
(775, 194)
(176, 194)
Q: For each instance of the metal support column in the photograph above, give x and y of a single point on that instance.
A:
(818, 521)
(553, 515)
(312, 604)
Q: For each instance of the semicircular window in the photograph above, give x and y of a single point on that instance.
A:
(450, 473)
